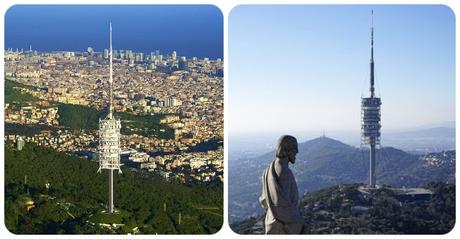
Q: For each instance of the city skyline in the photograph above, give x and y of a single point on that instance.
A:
(192, 31)
(315, 66)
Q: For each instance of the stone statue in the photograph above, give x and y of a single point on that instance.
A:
(280, 197)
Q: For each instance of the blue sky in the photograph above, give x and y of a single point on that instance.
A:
(304, 67)
(191, 30)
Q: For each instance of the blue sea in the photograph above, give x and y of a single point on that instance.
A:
(191, 30)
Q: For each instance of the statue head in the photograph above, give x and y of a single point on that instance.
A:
(287, 148)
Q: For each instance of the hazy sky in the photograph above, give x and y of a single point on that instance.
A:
(191, 30)
(305, 67)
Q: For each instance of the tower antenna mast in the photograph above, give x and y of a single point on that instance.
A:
(110, 77)
(372, 89)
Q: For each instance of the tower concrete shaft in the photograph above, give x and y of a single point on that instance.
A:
(110, 204)
(372, 166)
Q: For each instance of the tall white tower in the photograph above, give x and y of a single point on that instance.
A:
(370, 117)
(109, 137)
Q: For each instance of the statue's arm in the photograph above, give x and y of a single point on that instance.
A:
(263, 202)
(262, 198)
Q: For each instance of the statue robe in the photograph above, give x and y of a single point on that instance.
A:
(280, 200)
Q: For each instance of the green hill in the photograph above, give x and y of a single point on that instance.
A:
(16, 97)
(84, 117)
(64, 194)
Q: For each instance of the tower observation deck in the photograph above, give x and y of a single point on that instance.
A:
(109, 137)
(370, 117)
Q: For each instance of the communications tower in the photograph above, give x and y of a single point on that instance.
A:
(370, 116)
(109, 137)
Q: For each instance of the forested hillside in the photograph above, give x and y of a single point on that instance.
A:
(52, 192)
(344, 209)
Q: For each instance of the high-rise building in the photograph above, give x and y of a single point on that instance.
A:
(174, 55)
(140, 57)
(168, 102)
(183, 64)
(20, 143)
(109, 137)
(370, 118)
(129, 54)
(106, 54)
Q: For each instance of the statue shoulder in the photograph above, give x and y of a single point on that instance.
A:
(281, 169)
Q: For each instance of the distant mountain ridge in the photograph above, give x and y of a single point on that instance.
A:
(446, 124)
(324, 162)
(436, 132)
(438, 137)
